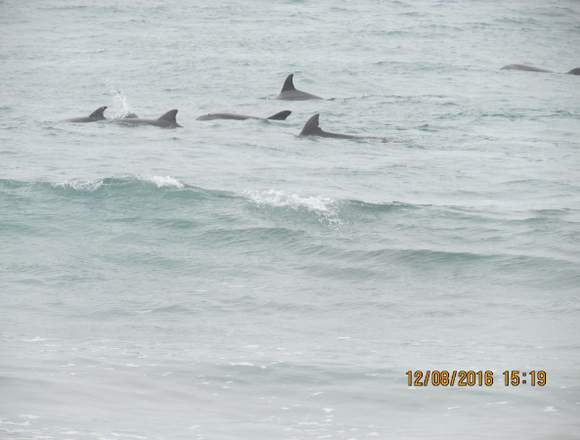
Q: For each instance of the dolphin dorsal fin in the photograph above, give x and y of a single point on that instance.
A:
(98, 113)
(280, 116)
(288, 84)
(575, 71)
(311, 126)
(169, 116)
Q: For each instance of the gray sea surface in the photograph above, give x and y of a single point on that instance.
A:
(230, 280)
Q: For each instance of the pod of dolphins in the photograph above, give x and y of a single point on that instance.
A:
(288, 93)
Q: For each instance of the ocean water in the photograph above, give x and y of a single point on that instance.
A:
(230, 280)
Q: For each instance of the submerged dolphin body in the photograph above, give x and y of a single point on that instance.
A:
(312, 128)
(575, 71)
(95, 116)
(290, 93)
(166, 121)
(525, 68)
(280, 116)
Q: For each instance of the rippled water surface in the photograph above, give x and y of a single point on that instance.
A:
(231, 280)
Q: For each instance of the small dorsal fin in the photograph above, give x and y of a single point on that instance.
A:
(288, 84)
(97, 115)
(575, 71)
(280, 116)
(169, 116)
(311, 126)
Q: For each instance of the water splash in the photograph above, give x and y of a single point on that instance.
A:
(120, 107)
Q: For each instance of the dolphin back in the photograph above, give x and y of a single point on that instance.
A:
(168, 119)
(170, 116)
(288, 84)
(97, 115)
(524, 68)
(291, 93)
(312, 126)
(280, 116)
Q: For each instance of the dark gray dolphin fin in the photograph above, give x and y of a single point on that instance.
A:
(280, 116)
(169, 116)
(288, 84)
(97, 115)
(311, 126)
(575, 71)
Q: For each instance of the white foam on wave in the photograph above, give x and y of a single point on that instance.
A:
(324, 207)
(165, 181)
(95, 184)
(81, 185)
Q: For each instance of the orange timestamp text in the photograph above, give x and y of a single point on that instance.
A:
(474, 378)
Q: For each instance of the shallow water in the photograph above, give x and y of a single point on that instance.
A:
(230, 280)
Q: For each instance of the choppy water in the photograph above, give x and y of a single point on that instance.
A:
(229, 280)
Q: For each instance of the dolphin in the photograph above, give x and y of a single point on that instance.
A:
(280, 116)
(525, 68)
(97, 115)
(312, 128)
(166, 121)
(575, 71)
(290, 93)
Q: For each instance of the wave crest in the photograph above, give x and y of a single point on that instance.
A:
(275, 203)
(324, 207)
(83, 185)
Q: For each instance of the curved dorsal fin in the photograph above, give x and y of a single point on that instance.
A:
(311, 126)
(280, 116)
(98, 113)
(575, 71)
(169, 116)
(288, 84)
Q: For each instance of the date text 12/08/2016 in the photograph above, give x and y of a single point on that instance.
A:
(474, 378)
